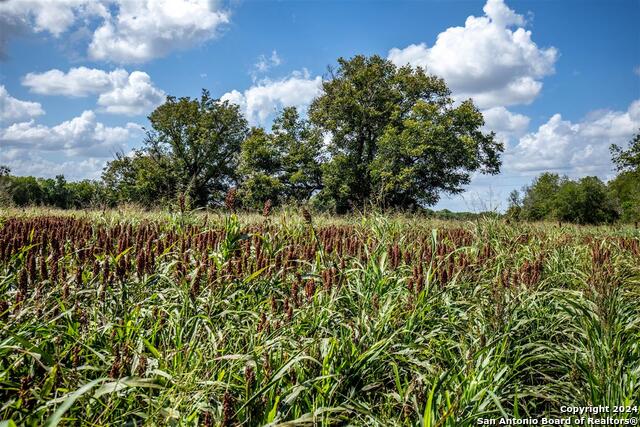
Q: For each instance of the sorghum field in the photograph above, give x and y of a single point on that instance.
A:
(284, 319)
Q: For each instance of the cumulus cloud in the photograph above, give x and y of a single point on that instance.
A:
(13, 110)
(263, 99)
(133, 96)
(505, 123)
(54, 17)
(80, 135)
(492, 59)
(575, 148)
(77, 82)
(120, 92)
(146, 29)
(128, 31)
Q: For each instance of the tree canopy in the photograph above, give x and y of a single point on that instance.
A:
(281, 166)
(192, 147)
(395, 135)
(375, 134)
(551, 197)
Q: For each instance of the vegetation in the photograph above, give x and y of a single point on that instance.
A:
(32, 191)
(585, 201)
(192, 148)
(626, 186)
(376, 134)
(396, 136)
(282, 166)
(192, 319)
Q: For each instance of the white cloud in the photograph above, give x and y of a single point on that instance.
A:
(12, 109)
(505, 123)
(80, 135)
(133, 96)
(487, 59)
(147, 29)
(637, 70)
(263, 99)
(575, 148)
(265, 63)
(128, 31)
(77, 82)
(120, 92)
(508, 126)
(55, 17)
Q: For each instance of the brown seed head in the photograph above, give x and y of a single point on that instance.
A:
(266, 209)
(230, 199)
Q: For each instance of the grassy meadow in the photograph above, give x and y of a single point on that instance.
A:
(210, 319)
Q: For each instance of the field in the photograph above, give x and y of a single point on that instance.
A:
(120, 318)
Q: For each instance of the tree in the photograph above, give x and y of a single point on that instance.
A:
(433, 150)
(299, 144)
(281, 166)
(85, 194)
(5, 181)
(374, 112)
(564, 202)
(55, 192)
(586, 201)
(629, 159)
(199, 140)
(514, 210)
(538, 201)
(25, 190)
(259, 165)
(593, 204)
(145, 178)
(625, 189)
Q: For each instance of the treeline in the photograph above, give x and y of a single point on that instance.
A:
(58, 192)
(587, 200)
(376, 135)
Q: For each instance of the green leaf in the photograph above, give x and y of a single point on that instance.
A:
(69, 400)
(273, 411)
(118, 385)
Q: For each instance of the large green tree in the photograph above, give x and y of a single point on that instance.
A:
(281, 166)
(396, 135)
(433, 150)
(201, 138)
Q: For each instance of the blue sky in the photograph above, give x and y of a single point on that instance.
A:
(559, 81)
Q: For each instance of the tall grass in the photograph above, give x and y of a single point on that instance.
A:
(160, 319)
